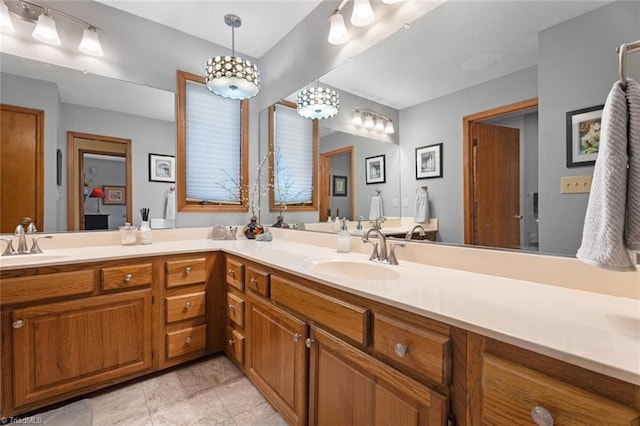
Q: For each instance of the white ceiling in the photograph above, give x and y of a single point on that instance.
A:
(459, 44)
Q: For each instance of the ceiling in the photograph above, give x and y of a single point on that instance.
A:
(459, 44)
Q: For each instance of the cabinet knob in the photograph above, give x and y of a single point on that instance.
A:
(18, 324)
(187, 270)
(308, 342)
(231, 342)
(401, 350)
(188, 340)
(231, 272)
(253, 282)
(541, 416)
(128, 277)
(232, 308)
(297, 337)
(187, 305)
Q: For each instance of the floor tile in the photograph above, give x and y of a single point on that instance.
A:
(125, 405)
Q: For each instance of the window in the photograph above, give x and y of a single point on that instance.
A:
(293, 144)
(212, 148)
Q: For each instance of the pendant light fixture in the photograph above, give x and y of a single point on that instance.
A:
(317, 103)
(232, 76)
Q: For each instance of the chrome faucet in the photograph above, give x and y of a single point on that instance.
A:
(22, 240)
(418, 228)
(377, 223)
(382, 253)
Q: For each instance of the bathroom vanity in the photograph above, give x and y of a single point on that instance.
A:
(409, 344)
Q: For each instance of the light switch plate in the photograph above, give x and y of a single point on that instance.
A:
(575, 184)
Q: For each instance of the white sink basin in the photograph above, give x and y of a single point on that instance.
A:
(28, 259)
(353, 269)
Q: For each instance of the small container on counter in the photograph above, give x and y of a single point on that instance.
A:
(128, 234)
(344, 239)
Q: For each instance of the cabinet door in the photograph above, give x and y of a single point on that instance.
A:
(277, 357)
(348, 386)
(66, 346)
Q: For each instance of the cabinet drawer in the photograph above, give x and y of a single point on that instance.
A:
(23, 289)
(127, 276)
(185, 272)
(350, 320)
(235, 345)
(186, 306)
(235, 309)
(511, 391)
(235, 274)
(187, 340)
(258, 281)
(427, 352)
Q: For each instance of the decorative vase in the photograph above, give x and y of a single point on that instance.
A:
(253, 228)
(146, 235)
(280, 223)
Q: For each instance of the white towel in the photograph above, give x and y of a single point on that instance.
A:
(421, 210)
(613, 210)
(170, 207)
(375, 208)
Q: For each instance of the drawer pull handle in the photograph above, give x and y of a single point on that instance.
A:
(232, 308)
(254, 282)
(231, 272)
(187, 305)
(128, 277)
(297, 337)
(18, 324)
(541, 416)
(231, 342)
(189, 340)
(401, 350)
(187, 270)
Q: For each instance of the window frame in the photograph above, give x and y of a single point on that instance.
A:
(292, 207)
(185, 205)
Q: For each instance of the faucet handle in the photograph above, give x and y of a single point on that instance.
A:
(9, 250)
(35, 248)
(392, 259)
(374, 253)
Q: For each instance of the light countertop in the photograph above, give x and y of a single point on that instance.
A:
(595, 331)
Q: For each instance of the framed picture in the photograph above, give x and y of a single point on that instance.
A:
(162, 168)
(114, 195)
(429, 161)
(339, 186)
(375, 169)
(583, 136)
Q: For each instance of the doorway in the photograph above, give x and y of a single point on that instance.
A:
(493, 207)
(80, 185)
(328, 159)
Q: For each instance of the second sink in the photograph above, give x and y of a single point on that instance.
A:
(353, 269)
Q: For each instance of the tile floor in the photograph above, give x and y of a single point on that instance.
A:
(209, 392)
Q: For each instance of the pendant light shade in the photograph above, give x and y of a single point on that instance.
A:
(318, 102)
(338, 33)
(46, 31)
(368, 122)
(232, 76)
(5, 20)
(362, 13)
(389, 128)
(357, 118)
(90, 43)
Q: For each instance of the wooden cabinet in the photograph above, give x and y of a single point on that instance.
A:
(235, 309)
(350, 387)
(516, 386)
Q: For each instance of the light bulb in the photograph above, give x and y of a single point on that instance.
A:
(90, 43)
(5, 20)
(368, 122)
(362, 13)
(338, 33)
(46, 31)
(357, 118)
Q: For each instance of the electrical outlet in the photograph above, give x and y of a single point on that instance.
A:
(575, 184)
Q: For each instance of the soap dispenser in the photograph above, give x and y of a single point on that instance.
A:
(344, 238)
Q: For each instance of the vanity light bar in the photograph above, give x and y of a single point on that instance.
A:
(361, 16)
(373, 121)
(45, 30)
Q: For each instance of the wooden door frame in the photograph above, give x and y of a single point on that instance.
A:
(325, 167)
(75, 184)
(467, 155)
(38, 220)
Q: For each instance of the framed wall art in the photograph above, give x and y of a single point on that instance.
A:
(114, 195)
(375, 169)
(162, 168)
(429, 161)
(583, 136)
(339, 186)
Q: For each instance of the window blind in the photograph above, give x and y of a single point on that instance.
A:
(293, 145)
(213, 127)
